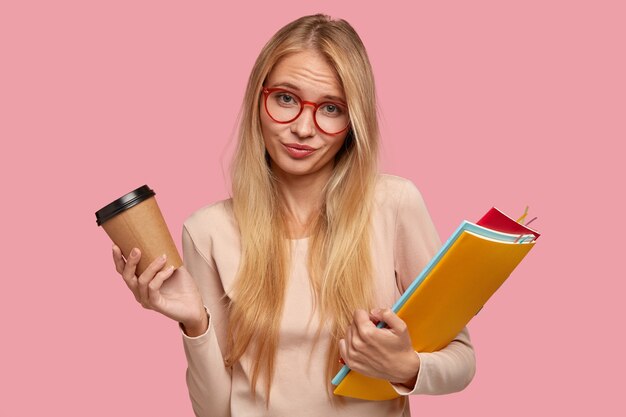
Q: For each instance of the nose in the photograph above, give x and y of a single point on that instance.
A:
(304, 125)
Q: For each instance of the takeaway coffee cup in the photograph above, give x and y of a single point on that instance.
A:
(135, 221)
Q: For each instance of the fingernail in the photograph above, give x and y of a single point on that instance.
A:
(133, 252)
(163, 257)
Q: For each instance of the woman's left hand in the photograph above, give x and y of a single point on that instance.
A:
(384, 353)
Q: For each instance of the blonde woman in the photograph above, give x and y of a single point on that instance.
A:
(284, 280)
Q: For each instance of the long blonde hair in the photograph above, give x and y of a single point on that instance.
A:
(339, 261)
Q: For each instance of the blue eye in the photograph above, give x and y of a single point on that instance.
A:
(331, 109)
(285, 99)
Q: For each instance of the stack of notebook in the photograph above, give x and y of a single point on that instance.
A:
(452, 288)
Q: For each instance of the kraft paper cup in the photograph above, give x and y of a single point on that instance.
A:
(135, 221)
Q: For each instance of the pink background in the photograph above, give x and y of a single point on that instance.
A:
(482, 103)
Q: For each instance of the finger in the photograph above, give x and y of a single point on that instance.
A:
(131, 265)
(117, 258)
(348, 339)
(351, 347)
(343, 352)
(363, 325)
(354, 343)
(120, 267)
(362, 319)
(395, 323)
(376, 316)
(146, 277)
(155, 285)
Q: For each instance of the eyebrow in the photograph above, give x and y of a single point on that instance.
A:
(293, 87)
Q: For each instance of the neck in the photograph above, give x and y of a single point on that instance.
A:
(302, 198)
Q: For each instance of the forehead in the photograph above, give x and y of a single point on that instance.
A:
(308, 72)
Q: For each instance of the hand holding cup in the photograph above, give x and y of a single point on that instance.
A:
(146, 256)
(171, 292)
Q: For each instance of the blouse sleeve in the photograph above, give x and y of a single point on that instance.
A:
(208, 380)
(452, 368)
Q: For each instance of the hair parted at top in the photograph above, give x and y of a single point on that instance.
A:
(339, 247)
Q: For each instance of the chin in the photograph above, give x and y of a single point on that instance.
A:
(296, 168)
(297, 171)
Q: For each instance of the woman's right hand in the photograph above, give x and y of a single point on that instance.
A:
(172, 293)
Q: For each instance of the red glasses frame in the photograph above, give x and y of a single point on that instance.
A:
(268, 91)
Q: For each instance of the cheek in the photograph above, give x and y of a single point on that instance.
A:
(337, 143)
(336, 147)
(269, 127)
(266, 130)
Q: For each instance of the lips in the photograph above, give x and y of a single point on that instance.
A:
(297, 151)
(299, 146)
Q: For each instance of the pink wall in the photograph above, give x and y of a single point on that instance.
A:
(483, 103)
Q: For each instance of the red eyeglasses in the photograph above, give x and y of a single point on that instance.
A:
(284, 106)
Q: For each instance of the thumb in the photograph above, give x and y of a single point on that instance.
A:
(395, 323)
(376, 315)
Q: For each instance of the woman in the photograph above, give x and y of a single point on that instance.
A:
(312, 240)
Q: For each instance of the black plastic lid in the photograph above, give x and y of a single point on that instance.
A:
(123, 203)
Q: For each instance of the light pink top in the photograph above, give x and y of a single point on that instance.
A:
(404, 240)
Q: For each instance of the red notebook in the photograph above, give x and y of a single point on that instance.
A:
(496, 220)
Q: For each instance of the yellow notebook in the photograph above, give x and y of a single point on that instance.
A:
(452, 288)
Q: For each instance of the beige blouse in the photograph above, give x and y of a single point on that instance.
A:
(403, 242)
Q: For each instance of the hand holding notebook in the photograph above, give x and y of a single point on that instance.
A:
(386, 352)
